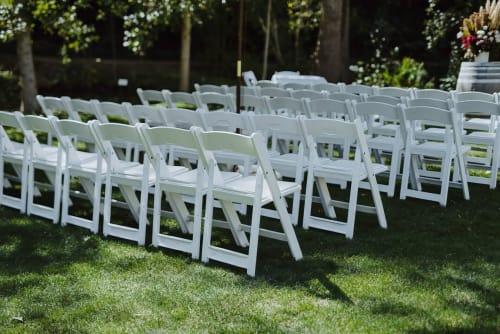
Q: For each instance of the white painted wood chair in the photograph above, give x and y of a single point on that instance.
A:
(125, 175)
(256, 190)
(151, 97)
(326, 170)
(174, 182)
(443, 150)
(488, 141)
(14, 154)
(387, 146)
(46, 158)
(211, 101)
(86, 167)
(291, 164)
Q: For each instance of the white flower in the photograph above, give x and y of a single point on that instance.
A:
(480, 33)
(460, 34)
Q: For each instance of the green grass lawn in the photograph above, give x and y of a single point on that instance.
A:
(435, 270)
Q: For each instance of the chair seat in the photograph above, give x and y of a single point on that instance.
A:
(243, 188)
(477, 137)
(343, 168)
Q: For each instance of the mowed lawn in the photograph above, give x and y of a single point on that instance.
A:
(435, 270)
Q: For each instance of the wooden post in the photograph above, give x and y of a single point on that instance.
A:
(240, 51)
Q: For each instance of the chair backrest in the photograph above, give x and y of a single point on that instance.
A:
(384, 99)
(308, 93)
(253, 146)
(355, 88)
(428, 102)
(84, 110)
(155, 140)
(267, 83)
(394, 91)
(479, 96)
(287, 106)
(296, 85)
(34, 126)
(9, 119)
(387, 112)
(54, 106)
(106, 133)
(181, 118)
(179, 99)
(66, 130)
(275, 128)
(244, 90)
(255, 104)
(476, 107)
(249, 78)
(140, 113)
(204, 88)
(327, 131)
(437, 117)
(328, 108)
(215, 101)
(112, 112)
(431, 93)
(274, 92)
(150, 96)
(223, 121)
(328, 87)
(347, 96)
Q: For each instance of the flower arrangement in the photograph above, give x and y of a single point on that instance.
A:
(481, 30)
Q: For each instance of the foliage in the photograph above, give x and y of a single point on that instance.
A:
(144, 19)
(386, 69)
(55, 17)
(443, 19)
(9, 90)
(304, 15)
(480, 31)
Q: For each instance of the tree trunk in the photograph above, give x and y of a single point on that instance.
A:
(332, 49)
(185, 52)
(268, 35)
(27, 75)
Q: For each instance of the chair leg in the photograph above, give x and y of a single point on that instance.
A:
(308, 199)
(406, 175)
(254, 236)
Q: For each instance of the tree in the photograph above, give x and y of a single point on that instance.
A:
(332, 50)
(148, 17)
(18, 20)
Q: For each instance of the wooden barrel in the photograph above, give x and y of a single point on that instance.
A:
(481, 77)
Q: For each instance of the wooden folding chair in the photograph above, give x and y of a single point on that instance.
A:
(324, 170)
(256, 190)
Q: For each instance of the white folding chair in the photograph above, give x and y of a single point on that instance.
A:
(256, 190)
(14, 154)
(205, 88)
(325, 170)
(151, 97)
(183, 119)
(309, 94)
(333, 109)
(387, 146)
(80, 164)
(139, 113)
(274, 92)
(394, 92)
(343, 96)
(179, 99)
(488, 141)
(328, 87)
(211, 101)
(475, 122)
(46, 158)
(174, 182)
(112, 112)
(431, 93)
(256, 104)
(443, 150)
(296, 86)
(359, 89)
(291, 164)
(244, 90)
(127, 176)
(287, 106)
